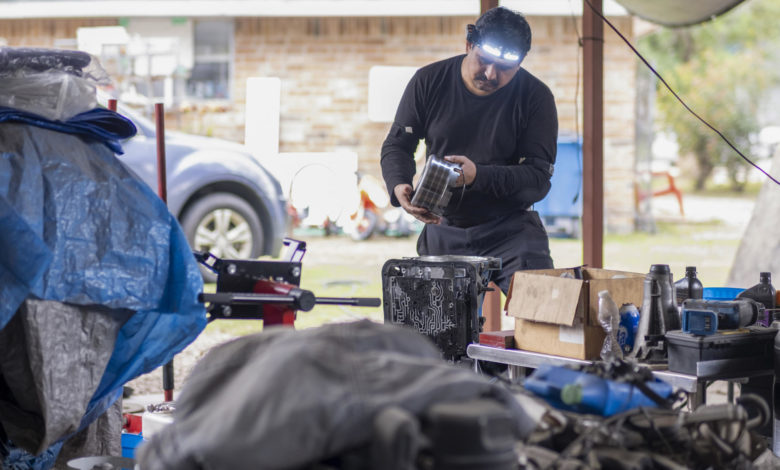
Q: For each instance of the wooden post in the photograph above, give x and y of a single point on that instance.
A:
(593, 136)
(491, 309)
(485, 5)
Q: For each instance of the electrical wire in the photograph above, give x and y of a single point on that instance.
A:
(725, 139)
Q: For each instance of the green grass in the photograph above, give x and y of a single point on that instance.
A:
(325, 281)
(678, 245)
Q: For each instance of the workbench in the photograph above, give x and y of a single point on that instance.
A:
(518, 360)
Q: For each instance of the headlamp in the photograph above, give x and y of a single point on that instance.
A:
(499, 52)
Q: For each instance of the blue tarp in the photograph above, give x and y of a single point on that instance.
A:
(77, 226)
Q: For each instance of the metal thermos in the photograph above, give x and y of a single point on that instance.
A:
(659, 314)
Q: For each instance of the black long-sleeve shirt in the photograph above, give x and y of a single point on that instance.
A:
(510, 135)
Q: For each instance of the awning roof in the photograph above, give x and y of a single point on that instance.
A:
(676, 12)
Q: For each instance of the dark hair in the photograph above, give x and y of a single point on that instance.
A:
(507, 27)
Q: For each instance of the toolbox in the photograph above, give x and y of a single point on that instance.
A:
(439, 296)
(723, 354)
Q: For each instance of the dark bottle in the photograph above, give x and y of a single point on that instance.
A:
(688, 287)
(764, 293)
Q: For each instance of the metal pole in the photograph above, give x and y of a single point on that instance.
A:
(162, 190)
(112, 104)
(593, 136)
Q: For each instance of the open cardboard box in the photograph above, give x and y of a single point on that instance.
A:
(559, 315)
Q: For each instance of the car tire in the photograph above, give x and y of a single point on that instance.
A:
(225, 225)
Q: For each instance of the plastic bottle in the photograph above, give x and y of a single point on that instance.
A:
(609, 318)
(764, 293)
(688, 287)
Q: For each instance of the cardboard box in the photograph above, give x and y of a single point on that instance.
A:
(559, 315)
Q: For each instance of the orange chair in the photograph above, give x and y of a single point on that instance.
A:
(640, 195)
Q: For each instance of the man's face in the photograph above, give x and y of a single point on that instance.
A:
(484, 73)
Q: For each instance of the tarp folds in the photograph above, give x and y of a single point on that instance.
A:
(52, 356)
(98, 124)
(79, 228)
(286, 398)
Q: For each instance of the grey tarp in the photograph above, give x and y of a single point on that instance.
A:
(52, 358)
(285, 398)
(676, 13)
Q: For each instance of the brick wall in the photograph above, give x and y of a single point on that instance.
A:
(45, 32)
(324, 65)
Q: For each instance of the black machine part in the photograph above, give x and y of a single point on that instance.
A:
(731, 314)
(238, 280)
(439, 297)
(478, 434)
(659, 315)
(721, 355)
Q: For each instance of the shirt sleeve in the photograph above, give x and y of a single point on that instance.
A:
(398, 149)
(528, 181)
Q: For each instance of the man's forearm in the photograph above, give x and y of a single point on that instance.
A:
(397, 168)
(522, 183)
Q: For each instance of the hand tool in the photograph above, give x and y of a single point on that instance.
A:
(705, 317)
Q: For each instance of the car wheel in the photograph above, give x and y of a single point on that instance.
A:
(224, 225)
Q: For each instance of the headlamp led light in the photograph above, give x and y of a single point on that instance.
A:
(499, 52)
(474, 36)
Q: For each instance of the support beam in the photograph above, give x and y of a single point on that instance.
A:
(593, 137)
(491, 304)
(485, 5)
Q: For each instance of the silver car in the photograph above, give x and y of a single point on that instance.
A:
(226, 202)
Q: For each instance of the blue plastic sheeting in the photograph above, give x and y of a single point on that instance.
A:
(77, 226)
(97, 124)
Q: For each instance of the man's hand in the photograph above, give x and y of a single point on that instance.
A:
(468, 167)
(403, 192)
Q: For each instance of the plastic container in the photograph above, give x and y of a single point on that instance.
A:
(609, 318)
(129, 443)
(722, 293)
(763, 292)
(723, 354)
(689, 287)
(581, 392)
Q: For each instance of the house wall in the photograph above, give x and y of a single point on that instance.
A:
(44, 32)
(324, 65)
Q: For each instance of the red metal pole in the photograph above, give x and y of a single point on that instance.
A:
(112, 104)
(159, 119)
(593, 136)
(162, 190)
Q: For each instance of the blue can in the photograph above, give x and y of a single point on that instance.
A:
(629, 322)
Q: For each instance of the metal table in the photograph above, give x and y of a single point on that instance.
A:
(518, 360)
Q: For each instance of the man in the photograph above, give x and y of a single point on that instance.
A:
(499, 123)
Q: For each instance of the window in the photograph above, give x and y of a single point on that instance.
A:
(212, 61)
